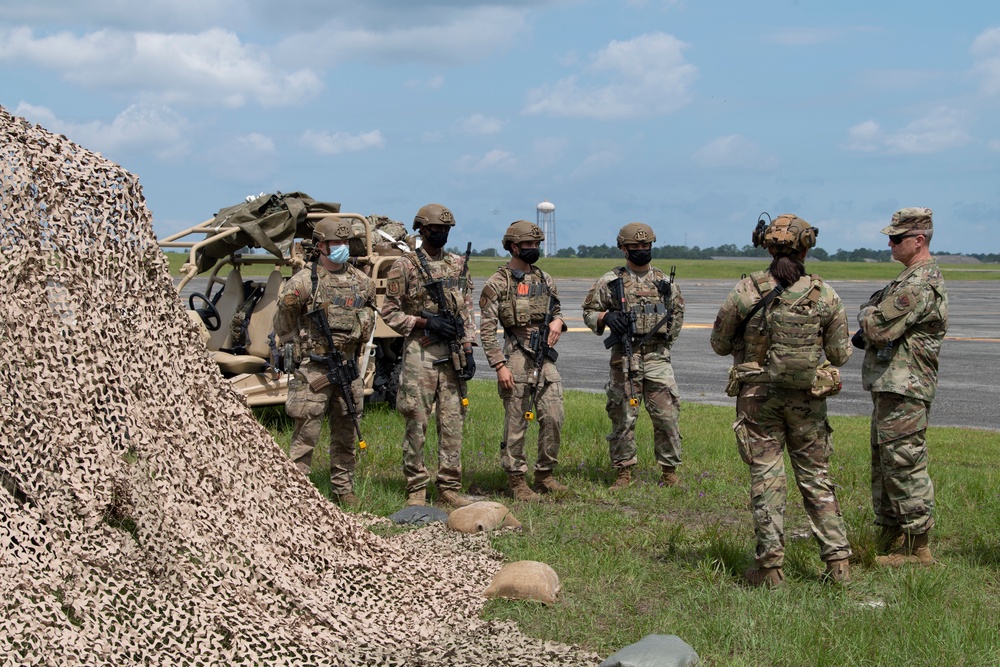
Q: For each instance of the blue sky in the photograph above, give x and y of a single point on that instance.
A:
(690, 116)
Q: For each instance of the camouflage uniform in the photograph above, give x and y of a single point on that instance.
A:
(520, 305)
(653, 376)
(769, 418)
(903, 324)
(421, 382)
(348, 296)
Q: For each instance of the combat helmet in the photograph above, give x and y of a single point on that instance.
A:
(333, 229)
(521, 231)
(636, 232)
(433, 214)
(788, 233)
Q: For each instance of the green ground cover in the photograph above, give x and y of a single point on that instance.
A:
(668, 560)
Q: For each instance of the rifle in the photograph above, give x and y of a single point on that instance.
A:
(436, 289)
(338, 371)
(539, 346)
(617, 289)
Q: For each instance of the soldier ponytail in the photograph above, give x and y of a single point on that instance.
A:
(787, 268)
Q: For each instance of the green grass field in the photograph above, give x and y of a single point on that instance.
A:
(667, 560)
(687, 269)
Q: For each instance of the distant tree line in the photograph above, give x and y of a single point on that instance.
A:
(729, 250)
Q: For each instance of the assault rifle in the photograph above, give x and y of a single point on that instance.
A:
(339, 371)
(540, 350)
(617, 289)
(435, 288)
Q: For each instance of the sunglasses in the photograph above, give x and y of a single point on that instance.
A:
(896, 239)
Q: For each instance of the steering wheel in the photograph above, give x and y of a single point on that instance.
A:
(209, 313)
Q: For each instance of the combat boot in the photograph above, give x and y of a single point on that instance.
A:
(768, 577)
(838, 571)
(416, 498)
(914, 551)
(348, 500)
(521, 491)
(670, 477)
(623, 480)
(888, 539)
(453, 498)
(545, 482)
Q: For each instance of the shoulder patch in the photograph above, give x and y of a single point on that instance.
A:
(900, 304)
(392, 286)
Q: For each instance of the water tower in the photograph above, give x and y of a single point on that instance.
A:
(547, 221)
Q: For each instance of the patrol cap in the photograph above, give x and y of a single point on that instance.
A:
(787, 232)
(913, 219)
(636, 232)
(520, 231)
(333, 229)
(433, 214)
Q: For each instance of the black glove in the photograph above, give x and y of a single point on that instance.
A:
(616, 321)
(858, 339)
(442, 327)
(470, 366)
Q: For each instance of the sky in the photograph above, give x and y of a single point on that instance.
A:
(693, 117)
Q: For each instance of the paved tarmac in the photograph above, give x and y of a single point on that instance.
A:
(969, 384)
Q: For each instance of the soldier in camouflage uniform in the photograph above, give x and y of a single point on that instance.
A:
(520, 296)
(651, 377)
(411, 311)
(801, 319)
(902, 327)
(348, 297)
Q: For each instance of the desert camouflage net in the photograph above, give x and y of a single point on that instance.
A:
(145, 516)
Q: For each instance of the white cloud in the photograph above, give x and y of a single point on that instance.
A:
(480, 124)
(994, 145)
(208, 68)
(434, 83)
(940, 130)
(248, 158)
(496, 159)
(599, 162)
(642, 77)
(986, 51)
(733, 151)
(814, 35)
(140, 127)
(332, 143)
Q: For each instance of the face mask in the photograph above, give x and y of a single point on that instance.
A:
(640, 257)
(436, 239)
(528, 255)
(339, 253)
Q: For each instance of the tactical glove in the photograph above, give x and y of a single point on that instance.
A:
(617, 322)
(470, 366)
(442, 327)
(858, 339)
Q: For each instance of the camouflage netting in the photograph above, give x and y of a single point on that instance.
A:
(145, 516)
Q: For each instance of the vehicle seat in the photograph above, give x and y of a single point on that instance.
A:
(229, 302)
(260, 327)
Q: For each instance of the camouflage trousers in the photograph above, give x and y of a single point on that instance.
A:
(769, 420)
(652, 383)
(421, 385)
(548, 407)
(307, 408)
(902, 491)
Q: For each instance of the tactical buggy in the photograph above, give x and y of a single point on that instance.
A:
(235, 308)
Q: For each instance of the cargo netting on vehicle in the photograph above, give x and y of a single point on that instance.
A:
(146, 517)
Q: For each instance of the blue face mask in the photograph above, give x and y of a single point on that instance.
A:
(339, 253)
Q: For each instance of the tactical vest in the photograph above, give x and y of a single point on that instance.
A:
(795, 348)
(527, 299)
(447, 271)
(643, 299)
(755, 337)
(340, 295)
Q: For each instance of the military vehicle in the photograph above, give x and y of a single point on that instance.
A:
(235, 308)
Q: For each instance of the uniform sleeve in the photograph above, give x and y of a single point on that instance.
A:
(836, 335)
(291, 302)
(397, 286)
(677, 306)
(369, 316)
(899, 309)
(726, 322)
(557, 308)
(489, 321)
(597, 301)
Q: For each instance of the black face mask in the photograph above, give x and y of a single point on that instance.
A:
(436, 239)
(529, 255)
(640, 257)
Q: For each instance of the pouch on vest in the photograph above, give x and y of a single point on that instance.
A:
(826, 381)
(795, 350)
(746, 373)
